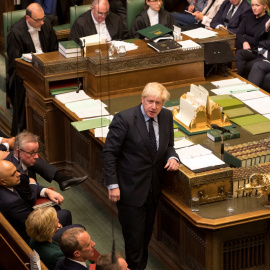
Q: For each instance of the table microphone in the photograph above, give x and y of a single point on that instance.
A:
(214, 126)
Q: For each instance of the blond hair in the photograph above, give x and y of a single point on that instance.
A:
(157, 90)
(40, 224)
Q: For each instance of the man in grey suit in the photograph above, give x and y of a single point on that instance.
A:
(137, 153)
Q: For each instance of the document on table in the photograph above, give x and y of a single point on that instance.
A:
(189, 45)
(229, 82)
(72, 96)
(249, 95)
(261, 105)
(197, 157)
(101, 132)
(200, 33)
(235, 89)
(88, 108)
(182, 143)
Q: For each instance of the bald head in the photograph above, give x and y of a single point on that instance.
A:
(100, 10)
(35, 15)
(9, 177)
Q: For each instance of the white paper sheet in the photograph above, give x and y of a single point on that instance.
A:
(228, 82)
(72, 96)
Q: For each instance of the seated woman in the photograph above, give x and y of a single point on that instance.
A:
(252, 26)
(154, 14)
(41, 226)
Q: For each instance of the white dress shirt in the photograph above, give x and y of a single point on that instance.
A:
(153, 16)
(35, 37)
(102, 29)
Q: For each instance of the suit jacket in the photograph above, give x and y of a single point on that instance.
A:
(209, 14)
(66, 264)
(142, 21)
(44, 169)
(50, 253)
(15, 209)
(85, 26)
(127, 155)
(237, 17)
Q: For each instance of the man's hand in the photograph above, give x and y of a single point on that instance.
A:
(246, 46)
(54, 196)
(198, 15)
(191, 8)
(172, 165)
(114, 194)
(3, 154)
(10, 142)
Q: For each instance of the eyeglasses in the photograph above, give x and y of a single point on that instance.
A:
(32, 154)
(100, 14)
(155, 1)
(38, 20)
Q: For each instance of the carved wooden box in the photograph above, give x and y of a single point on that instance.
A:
(210, 186)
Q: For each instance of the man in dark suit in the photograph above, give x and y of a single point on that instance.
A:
(98, 20)
(15, 208)
(137, 153)
(25, 154)
(231, 14)
(77, 246)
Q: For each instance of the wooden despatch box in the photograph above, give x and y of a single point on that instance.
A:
(209, 186)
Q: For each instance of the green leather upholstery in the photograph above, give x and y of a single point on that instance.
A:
(134, 8)
(76, 11)
(9, 18)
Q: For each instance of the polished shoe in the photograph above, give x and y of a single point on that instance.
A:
(67, 184)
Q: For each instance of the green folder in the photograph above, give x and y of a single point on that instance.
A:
(220, 97)
(179, 134)
(90, 124)
(250, 120)
(230, 103)
(258, 128)
(154, 31)
(238, 112)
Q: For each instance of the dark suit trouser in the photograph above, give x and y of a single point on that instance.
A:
(137, 227)
(258, 72)
(244, 62)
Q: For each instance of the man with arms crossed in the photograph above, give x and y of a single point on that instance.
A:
(137, 153)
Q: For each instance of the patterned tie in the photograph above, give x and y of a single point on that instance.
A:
(152, 137)
(229, 16)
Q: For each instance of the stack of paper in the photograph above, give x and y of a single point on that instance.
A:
(182, 143)
(198, 157)
(128, 46)
(189, 45)
(88, 108)
(261, 105)
(72, 96)
(235, 89)
(200, 33)
(249, 95)
(228, 82)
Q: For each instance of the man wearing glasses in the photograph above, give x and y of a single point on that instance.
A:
(151, 16)
(32, 33)
(98, 20)
(25, 158)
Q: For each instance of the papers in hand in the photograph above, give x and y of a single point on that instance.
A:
(198, 157)
(35, 261)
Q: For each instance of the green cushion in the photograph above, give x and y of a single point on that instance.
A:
(76, 11)
(134, 8)
(61, 27)
(9, 18)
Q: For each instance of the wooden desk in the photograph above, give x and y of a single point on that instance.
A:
(103, 77)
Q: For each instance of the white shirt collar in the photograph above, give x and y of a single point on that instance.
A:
(82, 263)
(152, 12)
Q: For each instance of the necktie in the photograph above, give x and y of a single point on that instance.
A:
(152, 137)
(229, 16)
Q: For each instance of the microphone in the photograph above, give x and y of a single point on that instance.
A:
(78, 87)
(214, 126)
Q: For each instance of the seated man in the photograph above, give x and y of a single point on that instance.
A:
(98, 20)
(154, 14)
(105, 262)
(77, 247)
(230, 15)
(25, 158)
(15, 208)
(186, 18)
(205, 17)
(32, 33)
